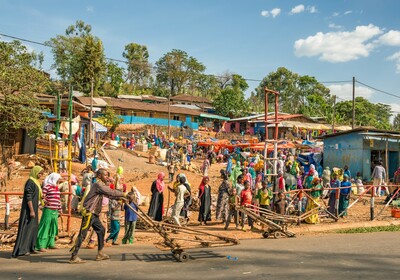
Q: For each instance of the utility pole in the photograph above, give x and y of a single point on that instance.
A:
(354, 104)
(334, 114)
(169, 116)
(91, 115)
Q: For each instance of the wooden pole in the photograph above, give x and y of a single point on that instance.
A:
(91, 115)
(354, 103)
(334, 114)
(372, 207)
(169, 117)
(69, 161)
(266, 133)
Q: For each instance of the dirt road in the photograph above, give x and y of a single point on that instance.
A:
(335, 256)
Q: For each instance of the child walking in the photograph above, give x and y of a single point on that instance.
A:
(172, 168)
(234, 200)
(115, 207)
(130, 219)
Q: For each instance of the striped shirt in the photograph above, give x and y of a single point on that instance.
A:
(51, 197)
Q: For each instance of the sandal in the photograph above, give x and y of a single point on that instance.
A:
(76, 260)
(102, 257)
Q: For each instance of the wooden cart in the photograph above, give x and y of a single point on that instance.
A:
(178, 238)
(275, 224)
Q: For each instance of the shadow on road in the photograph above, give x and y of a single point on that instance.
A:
(194, 255)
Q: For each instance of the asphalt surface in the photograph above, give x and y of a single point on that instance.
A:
(333, 256)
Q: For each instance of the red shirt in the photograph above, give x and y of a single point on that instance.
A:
(246, 197)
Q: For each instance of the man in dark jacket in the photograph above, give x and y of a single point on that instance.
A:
(90, 214)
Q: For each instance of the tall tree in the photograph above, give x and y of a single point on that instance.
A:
(176, 72)
(92, 64)
(21, 78)
(294, 90)
(367, 113)
(396, 122)
(71, 52)
(139, 68)
(113, 79)
(231, 101)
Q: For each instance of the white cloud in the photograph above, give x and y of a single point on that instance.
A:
(335, 14)
(298, 9)
(347, 12)
(395, 109)
(90, 9)
(340, 46)
(391, 38)
(273, 13)
(301, 8)
(334, 26)
(395, 57)
(345, 91)
(312, 9)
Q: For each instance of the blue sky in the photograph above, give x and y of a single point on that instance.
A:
(332, 40)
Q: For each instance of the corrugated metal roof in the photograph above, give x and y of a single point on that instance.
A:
(212, 116)
(190, 98)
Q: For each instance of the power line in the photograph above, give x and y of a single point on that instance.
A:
(46, 44)
(216, 76)
(379, 90)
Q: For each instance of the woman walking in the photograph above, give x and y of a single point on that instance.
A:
(205, 201)
(28, 219)
(223, 197)
(48, 227)
(157, 198)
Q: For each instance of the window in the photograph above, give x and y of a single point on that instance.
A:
(123, 113)
(151, 115)
(176, 118)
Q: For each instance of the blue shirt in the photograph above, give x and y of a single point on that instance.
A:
(130, 215)
(347, 172)
(345, 191)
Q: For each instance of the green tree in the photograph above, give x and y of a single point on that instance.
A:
(177, 72)
(231, 101)
(366, 113)
(396, 122)
(139, 68)
(92, 64)
(71, 53)
(20, 79)
(294, 91)
(113, 79)
(110, 119)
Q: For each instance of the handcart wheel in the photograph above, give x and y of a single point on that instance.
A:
(265, 234)
(277, 234)
(183, 257)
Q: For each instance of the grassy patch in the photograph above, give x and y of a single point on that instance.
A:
(369, 229)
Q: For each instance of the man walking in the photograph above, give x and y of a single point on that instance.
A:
(90, 215)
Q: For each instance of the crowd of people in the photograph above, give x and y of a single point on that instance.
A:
(100, 197)
(97, 197)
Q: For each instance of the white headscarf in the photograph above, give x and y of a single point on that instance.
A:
(52, 179)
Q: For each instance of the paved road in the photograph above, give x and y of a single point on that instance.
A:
(336, 256)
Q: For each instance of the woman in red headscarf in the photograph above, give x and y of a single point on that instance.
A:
(205, 201)
(157, 198)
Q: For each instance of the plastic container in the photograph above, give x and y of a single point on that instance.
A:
(396, 213)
